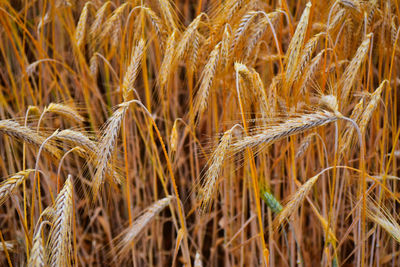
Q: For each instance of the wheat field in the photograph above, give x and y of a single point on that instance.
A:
(199, 133)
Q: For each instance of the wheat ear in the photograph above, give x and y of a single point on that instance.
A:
(13, 129)
(200, 102)
(100, 16)
(65, 111)
(294, 202)
(370, 108)
(125, 239)
(80, 32)
(211, 176)
(37, 257)
(197, 260)
(291, 127)
(296, 43)
(9, 186)
(133, 69)
(168, 59)
(381, 216)
(60, 234)
(107, 145)
(350, 73)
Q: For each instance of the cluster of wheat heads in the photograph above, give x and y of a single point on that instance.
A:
(199, 133)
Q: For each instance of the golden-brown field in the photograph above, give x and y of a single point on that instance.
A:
(199, 133)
